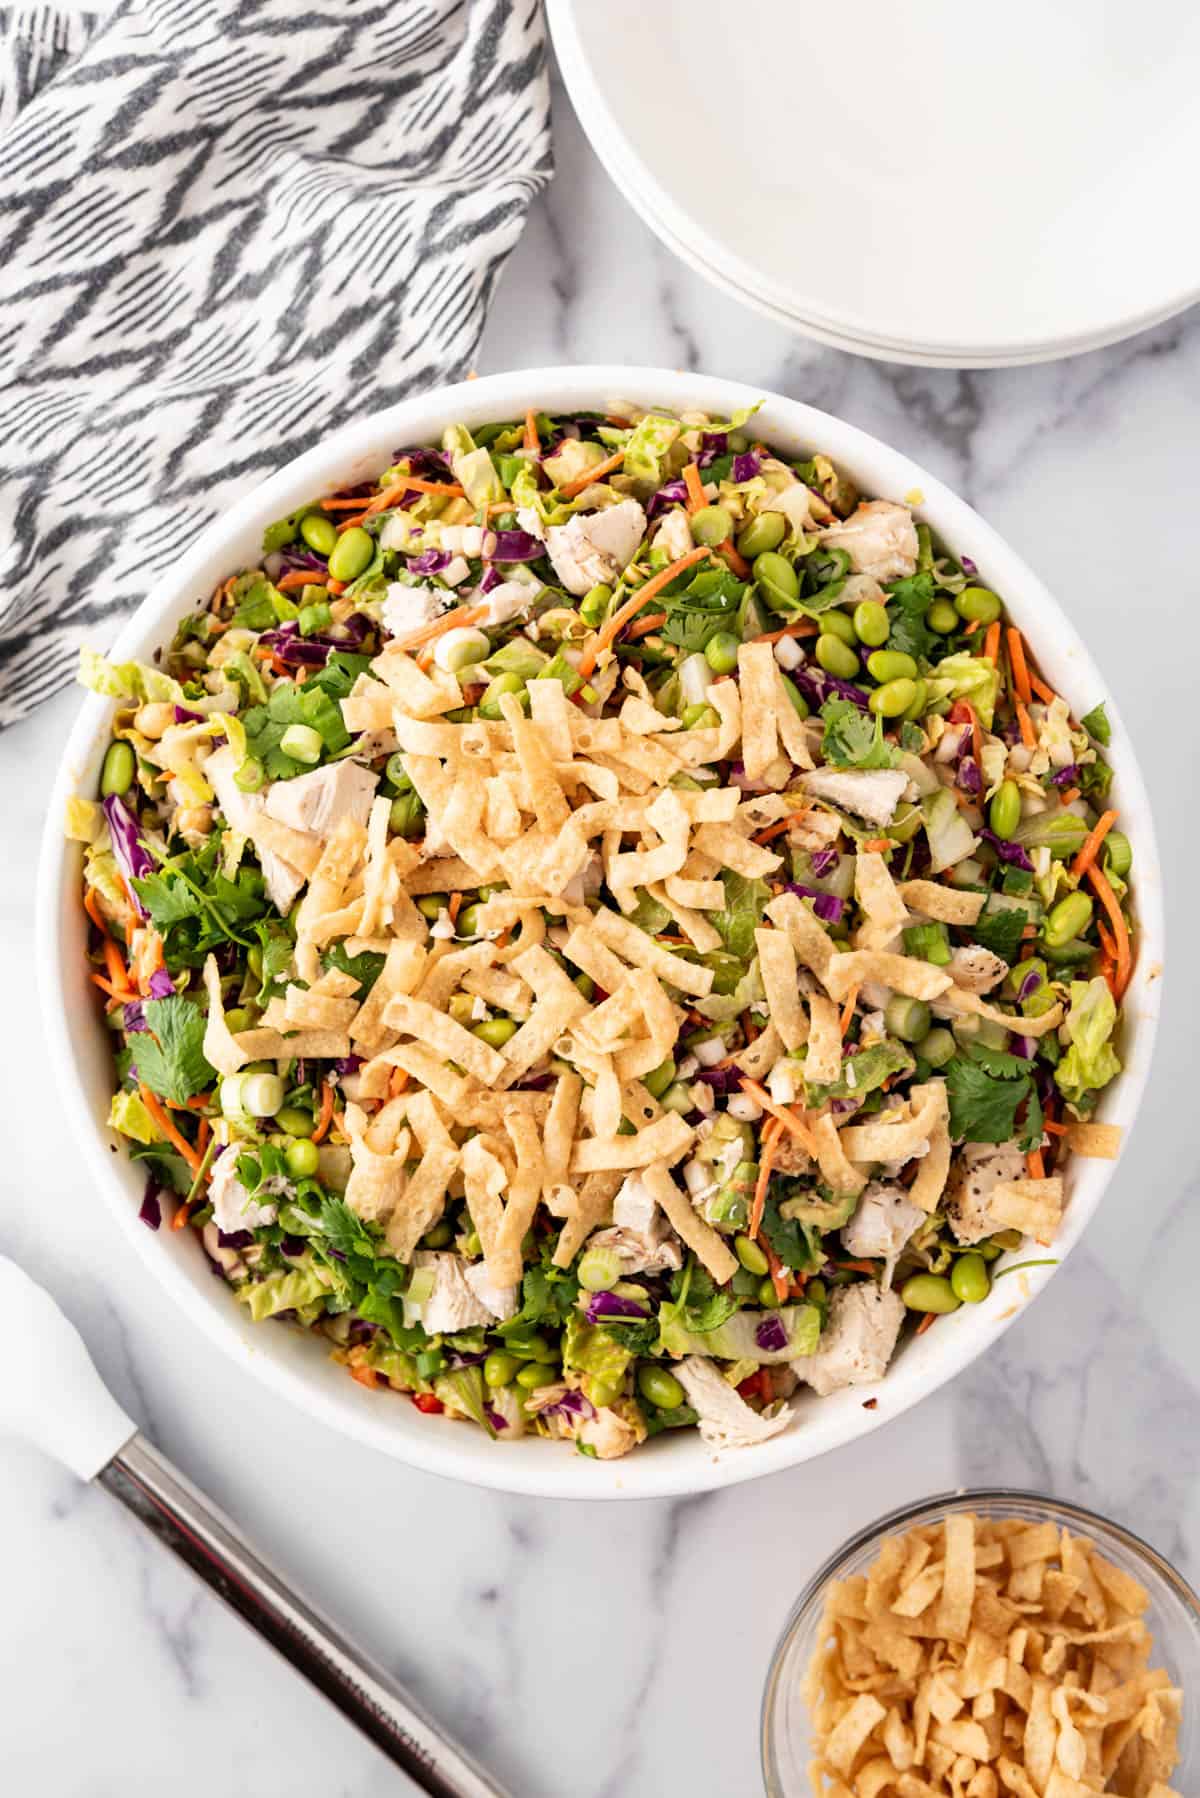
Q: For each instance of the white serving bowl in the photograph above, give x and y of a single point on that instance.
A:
(295, 1364)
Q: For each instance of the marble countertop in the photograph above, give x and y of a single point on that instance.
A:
(569, 1646)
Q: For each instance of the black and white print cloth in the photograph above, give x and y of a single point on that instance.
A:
(227, 226)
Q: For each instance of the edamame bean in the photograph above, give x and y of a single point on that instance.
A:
(319, 532)
(535, 1374)
(594, 604)
(891, 664)
(800, 705)
(942, 617)
(938, 1047)
(489, 705)
(495, 1032)
(116, 776)
(970, 1280)
(585, 984)
(816, 1292)
(766, 531)
(238, 1018)
(917, 707)
(767, 1295)
(700, 717)
(254, 960)
(660, 1388)
(929, 1292)
(838, 624)
(534, 1347)
(1118, 853)
(871, 623)
(1004, 813)
(404, 819)
(439, 1236)
(907, 1018)
(468, 921)
(500, 1369)
(978, 605)
(721, 652)
(431, 906)
(778, 580)
(750, 1256)
(352, 554)
(658, 1079)
(711, 525)
(303, 744)
(303, 1158)
(602, 1392)
(836, 657)
(891, 700)
(1069, 918)
(292, 1118)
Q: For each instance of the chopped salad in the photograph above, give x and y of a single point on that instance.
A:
(609, 926)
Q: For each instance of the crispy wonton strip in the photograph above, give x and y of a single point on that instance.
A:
(887, 1140)
(1031, 1206)
(945, 904)
(777, 965)
(960, 1001)
(413, 1017)
(585, 1209)
(836, 1170)
(810, 939)
(219, 1045)
(635, 946)
(902, 973)
(708, 1247)
(930, 1183)
(666, 1139)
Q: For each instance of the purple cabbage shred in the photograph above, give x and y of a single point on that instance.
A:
(827, 906)
(969, 777)
(132, 857)
(1012, 853)
(161, 984)
(133, 1018)
(612, 1304)
(347, 1064)
(1066, 777)
(184, 715)
(515, 546)
(494, 1418)
(746, 466)
(674, 493)
(721, 1080)
(1029, 985)
(430, 561)
(824, 861)
(151, 1211)
(491, 578)
(771, 1334)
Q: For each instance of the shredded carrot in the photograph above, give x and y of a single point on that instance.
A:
(633, 606)
(117, 995)
(118, 973)
(1028, 735)
(770, 1143)
(1035, 1166)
(325, 1117)
(1106, 941)
(398, 1083)
(781, 1280)
(856, 1267)
(366, 1376)
(696, 497)
(770, 831)
(1108, 900)
(1049, 1125)
(454, 906)
(158, 1113)
(749, 1029)
(644, 626)
(879, 844)
(788, 1119)
(180, 1219)
(991, 643)
(735, 559)
(927, 1322)
(1020, 673)
(410, 483)
(532, 440)
(351, 524)
(296, 577)
(1092, 842)
(344, 504)
(461, 615)
(91, 905)
(1070, 795)
(591, 475)
(1041, 689)
(976, 624)
(803, 627)
(848, 1009)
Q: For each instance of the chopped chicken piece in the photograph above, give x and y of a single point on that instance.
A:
(410, 608)
(228, 1260)
(726, 1420)
(883, 1221)
(857, 1342)
(507, 601)
(320, 800)
(502, 1301)
(608, 1433)
(283, 881)
(674, 535)
(880, 538)
(976, 969)
(635, 1207)
(453, 1304)
(233, 1208)
(595, 546)
(870, 793)
(639, 1237)
(982, 1166)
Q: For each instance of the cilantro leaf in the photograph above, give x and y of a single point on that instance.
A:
(699, 1304)
(365, 968)
(168, 898)
(908, 602)
(707, 604)
(983, 1108)
(797, 1245)
(345, 1231)
(998, 1061)
(171, 1060)
(1000, 931)
(851, 739)
(1096, 724)
(374, 1308)
(741, 914)
(289, 704)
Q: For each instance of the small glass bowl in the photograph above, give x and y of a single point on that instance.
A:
(1173, 1619)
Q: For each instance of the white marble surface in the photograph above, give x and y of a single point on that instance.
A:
(619, 1651)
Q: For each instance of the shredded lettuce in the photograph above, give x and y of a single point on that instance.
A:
(83, 819)
(1091, 1061)
(136, 681)
(736, 1338)
(647, 450)
(968, 677)
(951, 838)
(292, 1289)
(128, 1115)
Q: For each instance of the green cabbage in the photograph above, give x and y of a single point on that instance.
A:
(647, 450)
(1091, 1061)
(135, 681)
(292, 1289)
(969, 677)
(734, 1340)
(951, 838)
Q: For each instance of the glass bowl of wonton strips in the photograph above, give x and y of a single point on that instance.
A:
(608, 925)
(985, 1644)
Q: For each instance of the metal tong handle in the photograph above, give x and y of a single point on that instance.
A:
(206, 1541)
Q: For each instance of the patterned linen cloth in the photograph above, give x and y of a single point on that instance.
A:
(227, 226)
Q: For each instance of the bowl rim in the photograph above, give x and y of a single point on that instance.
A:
(667, 1469)
(930, 1510)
